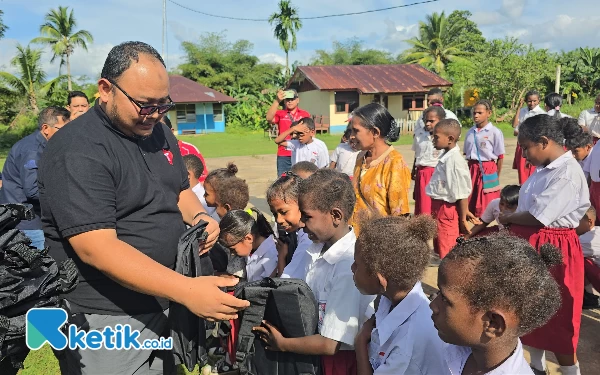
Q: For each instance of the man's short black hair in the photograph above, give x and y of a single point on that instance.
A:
(76, 94)
(435, 91)
(51, 114)
(193, 164)
(120, 57)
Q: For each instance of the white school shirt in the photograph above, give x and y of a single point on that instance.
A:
(345, 158)
(562, 115)
(342, 309)
(592, 164)
(525, 113)
(293, 269)
(451, 179)
(212, 211)
(425, 154)
(490, 140)
(590, 244)
(405, 340)
(315, 152)
(557, 195)
(492, 213)
(263, 261)
(456, 357)
(591, 119)
(449, 114)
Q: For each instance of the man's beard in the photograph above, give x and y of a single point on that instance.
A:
(119, 123)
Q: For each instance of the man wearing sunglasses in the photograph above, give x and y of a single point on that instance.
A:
(284, 119)
(115, 198)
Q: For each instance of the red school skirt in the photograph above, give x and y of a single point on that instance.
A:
(341, 363)
(446, 217)
(520, 164)
(561, 334)
(595, 195)
(422, 200)
(479, 200)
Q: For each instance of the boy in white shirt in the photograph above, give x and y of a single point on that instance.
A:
(344, 157)
(581, 146)
(589, 120)
(303, 145)
(589, 236)
(449, 188)
(507, 203)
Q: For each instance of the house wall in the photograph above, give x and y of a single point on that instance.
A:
(395, 107)
(315, 102)
(205, 122)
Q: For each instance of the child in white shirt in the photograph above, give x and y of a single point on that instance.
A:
(195, 168)
(589, 236)
(250, 238)
(581, 146)
(493, 290)
(507, 203)
(327, 201)
(303, 145)
(390, 257)
(344, 157)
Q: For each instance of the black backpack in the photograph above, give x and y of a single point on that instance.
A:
(291, 307)
(28, 278)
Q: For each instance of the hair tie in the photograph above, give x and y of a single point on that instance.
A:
(249, 211)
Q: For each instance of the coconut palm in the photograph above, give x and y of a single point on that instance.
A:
(436, 45)
(59, 33)
(31, 79)
(3, 27)
(286, 23)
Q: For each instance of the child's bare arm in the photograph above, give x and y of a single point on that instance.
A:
(308, 345)
(465, 215)
(332, 165)
(476, 229)
(281, 137)
(500, 162)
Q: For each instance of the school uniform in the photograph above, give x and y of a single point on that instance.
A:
(524, 170)
(557, 196)
(405, 340)
(426, 159)
(591, 168)
(590, 244)
(315, 152)
(263, 261)
(457, 356)
(293, 269)
(590, 119)
(345, 159)
(450, 182)
(342, 309)
(552, 113)
(490, 143)
(492, 213)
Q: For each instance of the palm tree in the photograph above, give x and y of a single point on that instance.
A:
(436, 45)
(287, 23)
(3, 27)
(59, 33)
(31, 79)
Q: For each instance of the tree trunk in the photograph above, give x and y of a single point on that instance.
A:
(33, 103)
(287, 64)
(69, 86)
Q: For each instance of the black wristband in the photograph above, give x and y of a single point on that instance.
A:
(198, 214)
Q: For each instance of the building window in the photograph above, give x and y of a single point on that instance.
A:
(186, 113)
(381, 99)
(218, 112)
(345, 101)
(413, 102)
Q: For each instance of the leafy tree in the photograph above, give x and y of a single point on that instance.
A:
(3, 27)
(351, 52)
(437, 44)
(469, 37)
(287, 23)
(59, 33)
(31, 80)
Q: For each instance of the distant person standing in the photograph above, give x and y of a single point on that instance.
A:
(435, 96)
(532, 99)
(77, 103)
(283, 119)
(20, 171)
(589, 120)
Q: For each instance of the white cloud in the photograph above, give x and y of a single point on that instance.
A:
(563, 32)
(272, 58)
(510, 10)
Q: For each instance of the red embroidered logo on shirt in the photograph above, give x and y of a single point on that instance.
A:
(169, 155)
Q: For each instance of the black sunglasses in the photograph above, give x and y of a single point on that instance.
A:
(146, 110)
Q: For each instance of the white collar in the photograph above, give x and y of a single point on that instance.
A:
(263, 248)
(388, 321)
(487, 127)
(198, 189)
(560, 161)
(338, 250)
(447, 155)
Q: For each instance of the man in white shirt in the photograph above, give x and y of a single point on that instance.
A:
(435, 96)
(304, 146)
(589, 120)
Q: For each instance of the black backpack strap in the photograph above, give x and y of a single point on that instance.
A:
(31, 256)
(253, 317)
(4, 326)
(68, 275)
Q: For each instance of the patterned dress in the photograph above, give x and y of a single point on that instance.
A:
(383, 185)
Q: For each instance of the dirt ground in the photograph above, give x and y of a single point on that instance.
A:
(260, 171)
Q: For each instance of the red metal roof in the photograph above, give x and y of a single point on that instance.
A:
(371, 79)
(184, 90)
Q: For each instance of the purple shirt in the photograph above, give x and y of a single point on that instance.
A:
(490, 140)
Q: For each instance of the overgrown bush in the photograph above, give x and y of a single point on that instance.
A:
(250, 111)
(24, 125)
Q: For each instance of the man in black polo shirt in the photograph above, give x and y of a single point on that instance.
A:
(115, 198)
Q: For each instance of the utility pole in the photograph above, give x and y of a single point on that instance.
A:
(557, 85)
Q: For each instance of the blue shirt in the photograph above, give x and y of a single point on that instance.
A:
(19, 176)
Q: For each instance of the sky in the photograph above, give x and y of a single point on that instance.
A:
(552, 24)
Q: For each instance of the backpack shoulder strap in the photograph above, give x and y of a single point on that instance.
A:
(252, 317)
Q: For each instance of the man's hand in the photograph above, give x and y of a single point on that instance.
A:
(204, 298)
(270, 336)
(213, 232)
(280, 96)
